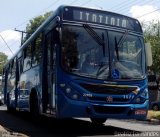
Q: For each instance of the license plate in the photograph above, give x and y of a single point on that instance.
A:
(140, 112)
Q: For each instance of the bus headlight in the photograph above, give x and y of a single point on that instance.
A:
(75, 96)
(68, 90)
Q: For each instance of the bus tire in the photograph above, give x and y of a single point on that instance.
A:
(9, 109)
(98, 121)
(155, 107)
(34, 107)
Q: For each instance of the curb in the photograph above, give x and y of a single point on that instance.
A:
(153, 120)
(147, 121)
(2, 129)
(6, 133)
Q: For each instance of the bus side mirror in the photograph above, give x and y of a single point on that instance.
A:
(148, 54)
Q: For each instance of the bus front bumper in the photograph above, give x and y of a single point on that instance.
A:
(72, 108)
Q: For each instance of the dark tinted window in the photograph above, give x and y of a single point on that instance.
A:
(13, 67)
(27, 58)
(37, 50)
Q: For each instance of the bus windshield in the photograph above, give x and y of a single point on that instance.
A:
(84, 56)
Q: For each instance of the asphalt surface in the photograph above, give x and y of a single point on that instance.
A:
(21, 124)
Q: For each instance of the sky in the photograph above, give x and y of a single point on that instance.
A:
(17, 13)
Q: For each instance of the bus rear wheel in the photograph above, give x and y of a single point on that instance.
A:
(98, 121)
(9, 108)
(34, 107)
(155, 107)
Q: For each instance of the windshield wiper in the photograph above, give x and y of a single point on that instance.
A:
(116, 48)
(123, 37)
(95, 36)
(119, 43)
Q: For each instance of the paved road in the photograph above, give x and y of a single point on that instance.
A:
(22, 123)
(134, 125)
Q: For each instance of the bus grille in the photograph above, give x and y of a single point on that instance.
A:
(108, 89)
(109, 110)
(115, 100)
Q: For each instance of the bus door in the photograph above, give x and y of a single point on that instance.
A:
(51, 59)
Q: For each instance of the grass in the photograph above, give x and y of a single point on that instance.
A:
(153, 114)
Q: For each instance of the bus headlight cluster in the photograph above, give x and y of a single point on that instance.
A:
(142, 97)
(145, 93)
(72, 94)
(139, 100)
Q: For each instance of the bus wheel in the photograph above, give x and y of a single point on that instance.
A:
(34, 108)
(9, 109)
(155, 107)
(98, 121)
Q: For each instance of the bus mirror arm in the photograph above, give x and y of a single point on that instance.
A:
(58, 30)
(58, 19)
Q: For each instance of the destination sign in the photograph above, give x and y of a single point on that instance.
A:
(100, 17)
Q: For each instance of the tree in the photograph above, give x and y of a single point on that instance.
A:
(152, 35)
(35, 23)
(3, 60)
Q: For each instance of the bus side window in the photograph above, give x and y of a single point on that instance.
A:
(36, 49)
(9, 70)
(13, 67)
(27, 58)
(20, 65)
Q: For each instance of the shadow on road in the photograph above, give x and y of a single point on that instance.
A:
(21, 122)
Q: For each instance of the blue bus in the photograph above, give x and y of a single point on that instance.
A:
(84, 63)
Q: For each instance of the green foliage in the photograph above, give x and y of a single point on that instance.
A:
(35, 23)
(152, 35)
(3, 60)
(153, 114)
